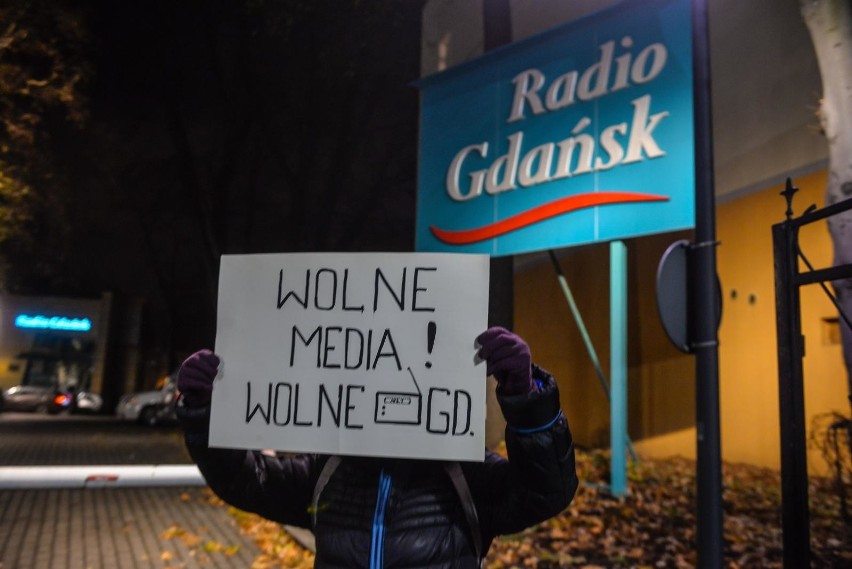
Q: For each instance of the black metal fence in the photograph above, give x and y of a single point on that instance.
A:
(791, 349)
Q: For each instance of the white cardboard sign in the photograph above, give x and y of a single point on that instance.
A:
(368, 354)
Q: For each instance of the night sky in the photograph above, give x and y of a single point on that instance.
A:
(217, 127)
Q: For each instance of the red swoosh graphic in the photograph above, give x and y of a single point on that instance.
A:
(540, 213)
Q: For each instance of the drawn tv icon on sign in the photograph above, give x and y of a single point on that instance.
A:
(399, 408)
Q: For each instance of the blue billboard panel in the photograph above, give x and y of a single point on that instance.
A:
(581, 134)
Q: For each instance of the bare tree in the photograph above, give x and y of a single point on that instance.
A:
(830, 26)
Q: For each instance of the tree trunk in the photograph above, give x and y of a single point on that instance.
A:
(830, 26)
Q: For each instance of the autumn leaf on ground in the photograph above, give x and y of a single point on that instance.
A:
(191, 539)
(172, 532)
(213, 547)
(210, 497)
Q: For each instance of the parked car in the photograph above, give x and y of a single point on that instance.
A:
(87, 402)
(149, 407)
(37, 398)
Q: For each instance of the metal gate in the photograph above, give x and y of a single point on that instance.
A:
(791, 349)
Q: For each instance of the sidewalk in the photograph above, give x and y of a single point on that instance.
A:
(130, 528)
(109, 528)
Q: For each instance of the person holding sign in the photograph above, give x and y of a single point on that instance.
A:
(390, 512)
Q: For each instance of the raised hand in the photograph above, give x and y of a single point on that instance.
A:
(508, 359)
(195, 378)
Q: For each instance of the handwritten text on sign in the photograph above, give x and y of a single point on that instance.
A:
(359, 353)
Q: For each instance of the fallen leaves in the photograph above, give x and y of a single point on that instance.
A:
(652, 528)
(278, 547)
(198, 546)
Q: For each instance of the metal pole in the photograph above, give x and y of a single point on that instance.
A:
(581, 325)
(497, 31)
(587, 340)
(795, 514)
(704, 307)
(618, 367)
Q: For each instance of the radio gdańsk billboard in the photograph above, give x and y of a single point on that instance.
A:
(578, 135)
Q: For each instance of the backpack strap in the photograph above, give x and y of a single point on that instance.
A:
(463, 490)
(325, 475)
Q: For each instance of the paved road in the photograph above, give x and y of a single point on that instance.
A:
(134, 528)
(32, 439)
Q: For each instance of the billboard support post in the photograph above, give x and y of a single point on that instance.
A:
(620, 324)
(618, 367)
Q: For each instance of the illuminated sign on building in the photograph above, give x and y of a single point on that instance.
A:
(578, 135)
(53, 323)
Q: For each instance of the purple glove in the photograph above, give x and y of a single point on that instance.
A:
(195, 378)
(508, 359)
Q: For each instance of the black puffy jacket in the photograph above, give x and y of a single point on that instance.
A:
(394, 513)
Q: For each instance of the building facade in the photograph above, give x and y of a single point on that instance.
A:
(53, 342)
